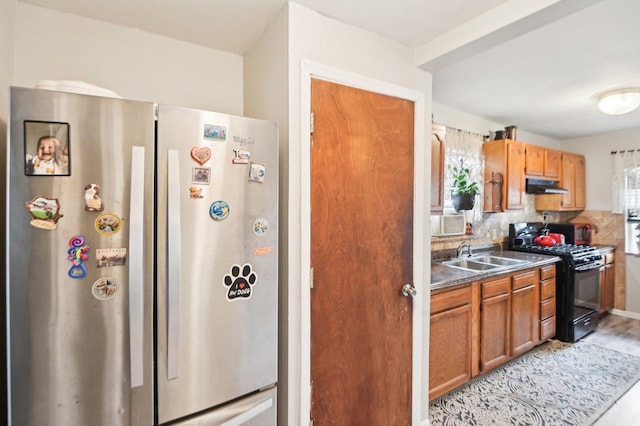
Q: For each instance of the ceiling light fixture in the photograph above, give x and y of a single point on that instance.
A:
(619, 101)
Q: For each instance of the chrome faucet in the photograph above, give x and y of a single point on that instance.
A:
(461, 248)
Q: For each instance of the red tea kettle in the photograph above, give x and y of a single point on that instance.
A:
(545, 240)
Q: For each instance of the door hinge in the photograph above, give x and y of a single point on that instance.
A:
(311, 122)
(311, 278)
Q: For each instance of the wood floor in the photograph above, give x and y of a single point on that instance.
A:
(621, 334)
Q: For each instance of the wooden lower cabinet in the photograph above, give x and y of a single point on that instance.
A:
(525, 311)
(450, 341)
(495, 309)
(607, 282)
(481, 325)
(547, 302)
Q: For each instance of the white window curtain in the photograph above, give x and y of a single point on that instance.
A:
(461, 145)
(626, 182)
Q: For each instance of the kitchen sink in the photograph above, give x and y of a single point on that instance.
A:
(497, 260)
(470, 264)
(483, 263)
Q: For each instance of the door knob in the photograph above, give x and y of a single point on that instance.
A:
(409, 290)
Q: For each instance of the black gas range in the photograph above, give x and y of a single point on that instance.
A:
(577, 279)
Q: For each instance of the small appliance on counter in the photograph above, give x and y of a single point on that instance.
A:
(577, 276)
(574, 233)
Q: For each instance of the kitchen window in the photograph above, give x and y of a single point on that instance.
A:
(626, 195)
(461, 145)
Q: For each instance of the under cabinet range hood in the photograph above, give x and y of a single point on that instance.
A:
(542, 186)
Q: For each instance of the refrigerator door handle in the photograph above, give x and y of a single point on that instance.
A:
(174, 262)
(249, 414)
(136, 267)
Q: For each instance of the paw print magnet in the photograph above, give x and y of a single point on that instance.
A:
(240, 279)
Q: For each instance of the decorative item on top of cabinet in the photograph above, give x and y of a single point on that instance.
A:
(573, 178)
(437, 168)
(508, 158)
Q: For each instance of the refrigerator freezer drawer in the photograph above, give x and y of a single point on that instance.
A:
(255, 410)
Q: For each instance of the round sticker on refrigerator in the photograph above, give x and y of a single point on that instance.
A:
(219, 210)
(107, 224)
(260, 226)
(104, 288)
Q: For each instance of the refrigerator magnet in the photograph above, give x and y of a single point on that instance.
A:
(260, 226)
(201, 175)
(111, 257)
(46, 145)
(263, 251)
(240, 279)
(244, 140)
(104, 288)
(195, 192)
(44, 211)
(257, 172)
(201, 154)
(241, 156)
(92, 200)
(216, 133)
(219, 210)
(78, 252)
(107, 224)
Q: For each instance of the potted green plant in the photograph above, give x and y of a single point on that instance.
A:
(463, 189)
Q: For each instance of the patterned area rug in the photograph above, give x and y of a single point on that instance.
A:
(555, 384)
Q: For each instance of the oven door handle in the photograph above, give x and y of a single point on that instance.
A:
(589, 267)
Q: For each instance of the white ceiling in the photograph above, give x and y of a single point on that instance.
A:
(541, 73)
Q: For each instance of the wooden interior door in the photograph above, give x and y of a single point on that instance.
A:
(361, 255)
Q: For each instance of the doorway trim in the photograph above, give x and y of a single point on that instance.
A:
(309, 70)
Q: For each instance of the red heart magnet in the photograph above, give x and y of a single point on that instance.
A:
(201, 154)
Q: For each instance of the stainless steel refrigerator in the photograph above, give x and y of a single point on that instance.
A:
(142, 264)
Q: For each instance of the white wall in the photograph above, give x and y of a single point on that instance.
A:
(316, 39)
(597, 152)
(266, 88)
(51, 45)
(7, 17)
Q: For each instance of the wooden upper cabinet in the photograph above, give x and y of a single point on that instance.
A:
(552, 164)
(534, 160)
(542, 163)
(507, 157)
(437, 169)
(573, 178)
(580, 186)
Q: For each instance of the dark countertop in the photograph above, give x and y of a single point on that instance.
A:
(604, 247)
(443, 276)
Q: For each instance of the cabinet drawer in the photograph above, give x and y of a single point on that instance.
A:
(450, 299)
(525, 279)
(547, 308)
(496, 287)
(547, 288)
(547, 271)
(548, 328)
